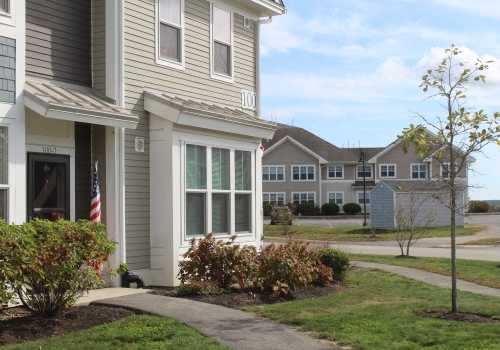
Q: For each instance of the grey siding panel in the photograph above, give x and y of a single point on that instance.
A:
(99, 45)
(58, 40)
(439, 210)
(382, 207)
(83, 170)
(99, 151)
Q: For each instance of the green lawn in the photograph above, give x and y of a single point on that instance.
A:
(358, 233)
(134, 332)
(379, 311)
(486, 241)
(485, 273)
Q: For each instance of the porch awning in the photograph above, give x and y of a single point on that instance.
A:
(57, 102)
(208, 115)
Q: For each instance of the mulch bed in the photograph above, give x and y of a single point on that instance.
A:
(17, 325)
(460, 316)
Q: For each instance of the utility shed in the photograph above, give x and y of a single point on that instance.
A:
(416, 201)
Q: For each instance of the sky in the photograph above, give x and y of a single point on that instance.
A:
(349, 71)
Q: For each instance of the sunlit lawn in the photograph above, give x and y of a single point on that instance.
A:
(485, 273)
(358, 233)
(134, 332)
(380, 310)
(486, 241)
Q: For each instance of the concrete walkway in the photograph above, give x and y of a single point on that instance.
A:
(233, 328)
(430, 278)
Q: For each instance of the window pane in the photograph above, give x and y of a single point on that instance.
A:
(273, 173)
(222, 58)
(196, 167)
(310, 197)
(339, 172)
(265, 173)
(273, 197)
(340, 198)
(169, 42)
(222, 25)
(170, 11)
(242, 212)
(310, 173)
(243, 170)
(266, 198)
(296, 175)
(220, 213)
(281, 173)
(303, 197)
(195, 214)
(4, 5)
(281, 198)
(303, 173)
(3, 204)
(3, 155)
(220, 169)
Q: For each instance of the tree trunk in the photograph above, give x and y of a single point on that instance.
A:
(454, 307)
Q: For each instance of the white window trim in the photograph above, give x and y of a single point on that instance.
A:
(276, 193)
(213, 74)
(164, 61)
(277, 166)
(334, 177)
(387, 177)
(299, 193)
(366, 165)
(361, 192)
(208, 191)
(419, 178)
(302, 165)
(328, 196)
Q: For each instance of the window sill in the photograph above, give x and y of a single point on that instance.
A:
(5, 14)
(224, 78)
(335, 178)
(171, 64)
(274, 180)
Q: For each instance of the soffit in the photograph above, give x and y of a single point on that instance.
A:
(75, 104)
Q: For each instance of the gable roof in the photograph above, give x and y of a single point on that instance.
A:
(315, 144)
(370, 152)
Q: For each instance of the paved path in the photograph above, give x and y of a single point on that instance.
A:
(233, 328)
(430, 278)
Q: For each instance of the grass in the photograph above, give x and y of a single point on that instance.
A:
(358, 233)
(379, 311)
(133, 332)
(486, 241)
(485, 273)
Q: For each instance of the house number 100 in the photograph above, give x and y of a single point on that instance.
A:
(50, 150)
(248, 100)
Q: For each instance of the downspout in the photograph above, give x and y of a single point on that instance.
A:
(259, 96)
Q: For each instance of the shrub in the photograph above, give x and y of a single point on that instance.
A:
(479, 207)
(335, 259)
(267, 208)
(216, 262)
(352, 208)
(308, 209)
(330, 209)
(289, 266)
(52, 264)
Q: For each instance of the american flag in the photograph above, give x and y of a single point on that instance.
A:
(95, 204)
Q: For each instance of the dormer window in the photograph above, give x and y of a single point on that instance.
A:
(170, 33)
(222, 44)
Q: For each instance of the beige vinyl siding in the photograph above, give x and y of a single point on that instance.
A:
(142, 71)
(401, 160)
(99, 45)
(58, 40)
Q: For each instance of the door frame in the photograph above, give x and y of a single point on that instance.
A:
(57, 158)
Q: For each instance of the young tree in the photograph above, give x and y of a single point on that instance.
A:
(455, 135)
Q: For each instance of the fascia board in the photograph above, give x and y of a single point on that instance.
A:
(298, 144)
(224, 126)
(152, 105)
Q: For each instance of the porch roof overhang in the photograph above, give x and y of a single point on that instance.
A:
(208, 115)
(86, 106)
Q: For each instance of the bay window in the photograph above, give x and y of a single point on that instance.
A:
(170, 33)
(218, 183)
(3, 172)
(222, 44)
(303, 173)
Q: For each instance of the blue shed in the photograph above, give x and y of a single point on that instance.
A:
(416, 199)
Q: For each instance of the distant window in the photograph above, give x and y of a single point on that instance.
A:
(418, 171)
(303, 173)
(336, 197)
(445, 171)
(361, 198)
(278, 198)
(222, 43)
(368, 171)
(303, 197)
(273, 173)
(4, 6)
(170, 33)
(335, 171)
(387, 171)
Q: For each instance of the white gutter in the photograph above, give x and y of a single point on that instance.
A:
(259, 90)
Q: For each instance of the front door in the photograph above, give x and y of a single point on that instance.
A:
(48, 186)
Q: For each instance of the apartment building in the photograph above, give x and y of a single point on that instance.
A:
(164, 94)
